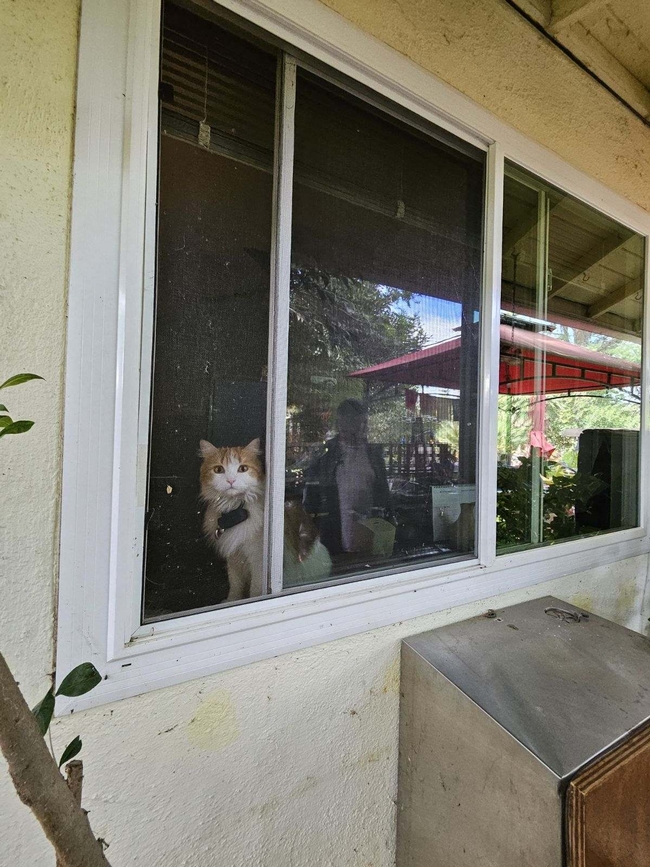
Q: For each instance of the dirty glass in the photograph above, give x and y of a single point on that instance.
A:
(383, 342)
(217, 105)
(570, 368)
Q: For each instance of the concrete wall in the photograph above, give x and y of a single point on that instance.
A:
(291, 761)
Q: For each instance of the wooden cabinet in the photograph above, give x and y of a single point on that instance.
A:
(608, 808)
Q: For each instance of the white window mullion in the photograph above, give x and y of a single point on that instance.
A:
(279, 323)
(543, 285)
(489, 370)
(644, 450)
(135, 321)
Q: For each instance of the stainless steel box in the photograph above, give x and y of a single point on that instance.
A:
(498, 715)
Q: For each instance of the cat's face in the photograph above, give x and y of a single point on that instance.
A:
(233, 473)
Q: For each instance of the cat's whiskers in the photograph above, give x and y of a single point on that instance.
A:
(252, 496)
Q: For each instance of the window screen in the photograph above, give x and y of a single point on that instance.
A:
(383, 339)
(381, 415)
(212, 298)
(570, 368)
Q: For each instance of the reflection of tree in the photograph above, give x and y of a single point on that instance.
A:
(339, 324)
(563, 492)
(615, 408)
(603, 410)
(617, 347)
(513, 432)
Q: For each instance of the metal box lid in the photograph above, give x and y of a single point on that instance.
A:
(566, 685)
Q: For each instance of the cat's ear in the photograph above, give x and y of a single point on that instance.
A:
(206, 449)
(254, 446)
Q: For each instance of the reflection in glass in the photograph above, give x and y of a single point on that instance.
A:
(570, 368)
(383, 341)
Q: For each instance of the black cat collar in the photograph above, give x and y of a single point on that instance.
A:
(231, 519)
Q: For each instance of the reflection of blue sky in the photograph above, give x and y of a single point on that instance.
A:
(438, 317)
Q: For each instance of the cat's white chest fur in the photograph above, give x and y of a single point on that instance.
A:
(244, 535)
(242, 548)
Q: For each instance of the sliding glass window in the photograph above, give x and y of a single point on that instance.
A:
(383, 338)
(570, 368)
(382, 233)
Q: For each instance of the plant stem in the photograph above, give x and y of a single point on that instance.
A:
(39, 783)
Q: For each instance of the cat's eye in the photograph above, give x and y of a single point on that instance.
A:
(243, 468)
(218, 469)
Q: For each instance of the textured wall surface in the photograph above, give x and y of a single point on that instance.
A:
(37, 84)
(293, 761)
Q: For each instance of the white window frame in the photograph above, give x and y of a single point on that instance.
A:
(112, 264)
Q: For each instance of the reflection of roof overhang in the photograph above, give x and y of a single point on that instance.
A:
(565, 366)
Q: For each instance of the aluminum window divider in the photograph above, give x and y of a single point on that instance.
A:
(279, 323)
(541, 308)
(135, 299)
(486, 503)
(644, 437)
(148, 334)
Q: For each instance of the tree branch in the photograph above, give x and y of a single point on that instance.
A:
(74, 772)
(39, 782)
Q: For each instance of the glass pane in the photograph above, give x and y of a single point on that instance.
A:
(211, 325)
(383, 342)
(570, 368)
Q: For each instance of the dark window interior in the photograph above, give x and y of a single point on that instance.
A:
(211, 325)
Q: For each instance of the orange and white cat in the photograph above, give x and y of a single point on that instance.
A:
(232, 485)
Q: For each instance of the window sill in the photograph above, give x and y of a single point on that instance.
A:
(200, 645)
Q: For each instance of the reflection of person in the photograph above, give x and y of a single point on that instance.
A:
(347, 482)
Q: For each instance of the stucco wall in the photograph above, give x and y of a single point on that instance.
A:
(37, 87)
(291, 761)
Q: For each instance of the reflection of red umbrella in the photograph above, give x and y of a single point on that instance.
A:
(566, 367)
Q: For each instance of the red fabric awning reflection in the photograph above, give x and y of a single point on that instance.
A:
(566, 367)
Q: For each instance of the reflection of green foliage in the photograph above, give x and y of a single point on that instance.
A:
(514, 502)
(562, 492)
(607, 409)
(513, 432)
(337, 325)
(389, 421)
(448, 432)
(624, 346)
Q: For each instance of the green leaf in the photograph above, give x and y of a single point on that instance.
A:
(5, 421)
(3, 408)
(80, 680)
(19, 379)
(16, 427)
(44, 710)
(70, 751)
